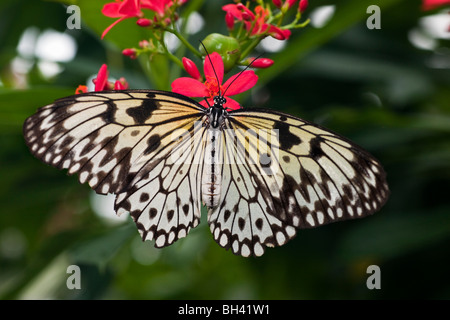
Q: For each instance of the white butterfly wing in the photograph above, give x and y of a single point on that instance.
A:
(291, 174)
(123, 143)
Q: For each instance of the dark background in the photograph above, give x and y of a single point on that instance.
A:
(373, 86)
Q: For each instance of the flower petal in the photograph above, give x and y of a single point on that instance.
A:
(278, 33)
(232, 104)
(112, 25)
(233, 10)
(205, 104)
(243, 82)
(157, 6)
(130, 8)
(217, 62)
(112, 10)
(102, 78)
(189, 87)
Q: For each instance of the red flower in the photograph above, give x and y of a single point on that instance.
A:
(255, 23)
(123, 10)
(192, 87)
(161, 7)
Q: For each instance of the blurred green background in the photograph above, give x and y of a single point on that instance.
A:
(386, 89)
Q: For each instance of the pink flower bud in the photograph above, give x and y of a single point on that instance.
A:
(277, 3)
(287, 5)
(144, 22)
(121, 84)
(130, 52)
(247, 14)
(144, 43)
(280, 34)
(229, 20)
(101, 82)
(260, 62)
(290, 3)
(191, 68)
(302, 5)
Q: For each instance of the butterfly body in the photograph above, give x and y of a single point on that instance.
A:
(262, 174)
(212, 176)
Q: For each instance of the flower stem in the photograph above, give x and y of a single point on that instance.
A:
(250, 47)
(184, 41)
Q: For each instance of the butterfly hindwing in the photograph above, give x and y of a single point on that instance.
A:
(244, 220)
(164, 199)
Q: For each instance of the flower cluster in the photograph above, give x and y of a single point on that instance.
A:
(248, 23)
(259, 22)
(162, 12)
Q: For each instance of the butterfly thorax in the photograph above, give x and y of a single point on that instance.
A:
(216, 112)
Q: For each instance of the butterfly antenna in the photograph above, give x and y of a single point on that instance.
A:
(239, 74)
(210, 61)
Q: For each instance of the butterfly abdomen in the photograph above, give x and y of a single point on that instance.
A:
(212, 174)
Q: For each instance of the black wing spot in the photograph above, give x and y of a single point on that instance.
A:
(286, 138)
(153, 213)
(144, 111)
(153, 143)
(226, 215)
(316, 151)
(185, 209)
(241, 223)
(170, 215)
(144, 197)
(109, 115)
(259, 223)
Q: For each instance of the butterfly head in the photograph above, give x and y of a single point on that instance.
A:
(219, 101)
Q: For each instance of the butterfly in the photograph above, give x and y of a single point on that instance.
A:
(262, 174)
